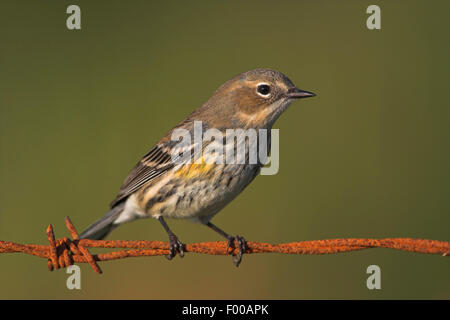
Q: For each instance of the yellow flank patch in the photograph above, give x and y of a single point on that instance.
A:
(194, 170)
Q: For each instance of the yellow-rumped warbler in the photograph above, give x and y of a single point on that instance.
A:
(161, 186)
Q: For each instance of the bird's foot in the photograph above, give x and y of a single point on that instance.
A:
(242, 246)
(175, 246)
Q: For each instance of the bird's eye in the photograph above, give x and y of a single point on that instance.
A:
(263, 90)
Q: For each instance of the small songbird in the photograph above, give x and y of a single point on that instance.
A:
(161, 187)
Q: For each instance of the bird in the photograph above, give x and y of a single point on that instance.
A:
(161, 186)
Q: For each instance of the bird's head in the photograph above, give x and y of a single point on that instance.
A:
(254, 98)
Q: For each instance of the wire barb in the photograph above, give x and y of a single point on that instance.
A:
(61, 253)
(87, 255)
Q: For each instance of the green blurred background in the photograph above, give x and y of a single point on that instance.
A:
(368, 157)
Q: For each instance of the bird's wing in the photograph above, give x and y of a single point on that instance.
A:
(156, 162)
(159, 160)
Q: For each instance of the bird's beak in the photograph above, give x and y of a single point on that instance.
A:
(296, 93)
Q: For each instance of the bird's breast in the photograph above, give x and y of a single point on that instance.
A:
(198, 190)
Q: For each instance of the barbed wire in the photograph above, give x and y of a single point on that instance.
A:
(64, 252)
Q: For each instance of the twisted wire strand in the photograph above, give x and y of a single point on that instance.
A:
(61, 253)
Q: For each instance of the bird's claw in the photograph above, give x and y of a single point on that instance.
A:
(175, 246)
(242, 246)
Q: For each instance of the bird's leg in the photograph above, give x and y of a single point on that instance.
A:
(242, 243)
(175, 244)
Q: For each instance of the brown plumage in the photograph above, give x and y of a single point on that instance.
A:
(159, 187)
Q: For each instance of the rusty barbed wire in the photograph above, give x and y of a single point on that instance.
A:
(64, 252)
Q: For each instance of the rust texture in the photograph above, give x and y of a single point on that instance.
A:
(61, 253)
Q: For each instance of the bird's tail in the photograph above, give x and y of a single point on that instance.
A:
(100, 228)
